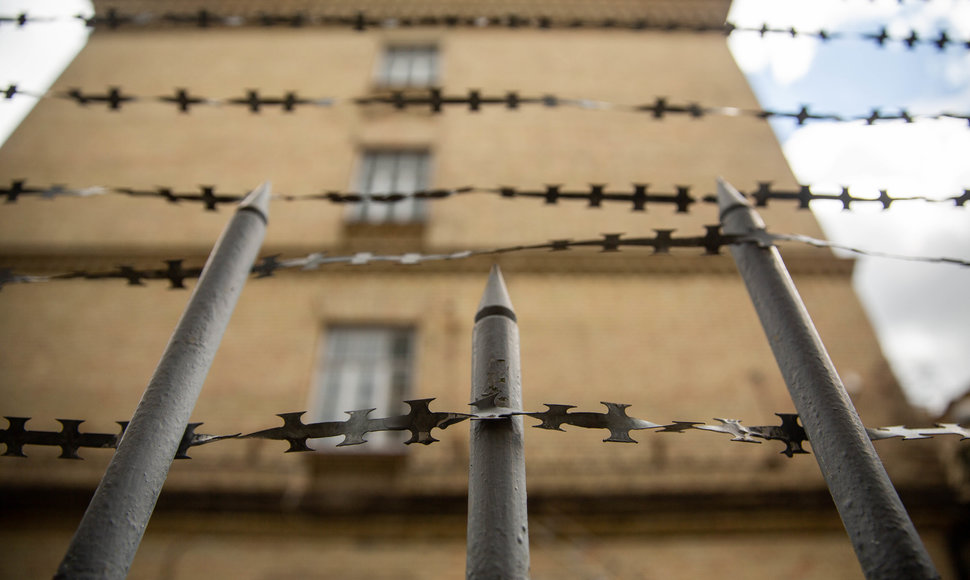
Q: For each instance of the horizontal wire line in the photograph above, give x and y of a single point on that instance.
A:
(435, 100)
(639, 196)
(662, 243)
(205, 19)
(421, 422)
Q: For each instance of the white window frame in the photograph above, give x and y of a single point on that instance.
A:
(363, 367)
(408, 66)
(390, 171)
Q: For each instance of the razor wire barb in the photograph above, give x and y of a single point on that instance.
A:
(420, 422)
(113, 19)
(662, 242)
(639, 196)
(435, 100)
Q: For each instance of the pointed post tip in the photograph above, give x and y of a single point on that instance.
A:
(728, 196)
(730, 199)
(258, 199)
(495, 299)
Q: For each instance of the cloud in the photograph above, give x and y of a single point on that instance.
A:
(32, 57)
(786, 60)
(919, 311)
(921, 316)
(923, 158)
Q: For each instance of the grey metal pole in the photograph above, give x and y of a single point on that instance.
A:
(885, 540)
(498, 526)
(105, 542)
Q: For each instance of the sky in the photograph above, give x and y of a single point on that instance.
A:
(920, 311)
(34, 56)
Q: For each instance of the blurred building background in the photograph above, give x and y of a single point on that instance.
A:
(673, 336)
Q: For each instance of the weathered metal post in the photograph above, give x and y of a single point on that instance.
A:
(105, 542)
(498, 526)
(885, 540)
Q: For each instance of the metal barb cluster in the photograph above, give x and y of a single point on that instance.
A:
(915, 433)
(114, 19)
(207, 195)
(662, 242)
(420, 421)
(615, 420)
(804, 196)
(789, 432)
(436, 101)
(175, 273)
(71, 440)
(19, 188)
(882, 38)
(597, 194)
(620, 424)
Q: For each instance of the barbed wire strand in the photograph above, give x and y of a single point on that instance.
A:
(639, 196)
(662, 242)
(436, 101)
(113, 19)
(421, 422)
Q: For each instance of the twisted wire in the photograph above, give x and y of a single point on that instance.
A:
(662, 242)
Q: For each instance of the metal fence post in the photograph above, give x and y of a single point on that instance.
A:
(498, 532)
(885, 540)
(107, 538)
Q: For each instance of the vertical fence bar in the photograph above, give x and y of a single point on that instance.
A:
(498, 530)
(107, 538)
(885, 540)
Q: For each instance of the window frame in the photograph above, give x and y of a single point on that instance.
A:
(396, 66)
(330, 393)
(379, 172)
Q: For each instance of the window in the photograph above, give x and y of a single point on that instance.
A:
(408, 67)
(364, 367)
(387, 172)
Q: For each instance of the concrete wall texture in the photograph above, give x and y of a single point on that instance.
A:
(674, 336)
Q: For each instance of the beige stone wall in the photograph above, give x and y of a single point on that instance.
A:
(189, 547)
(314, 150)
(674, 336)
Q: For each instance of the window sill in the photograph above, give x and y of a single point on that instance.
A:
(323, 463)
(384, 237)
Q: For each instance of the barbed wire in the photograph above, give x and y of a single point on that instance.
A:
(662, 242)
(871, 253)
(639, 196)
(113, 19)
(436, 101)
(71, 440)
(421, 422)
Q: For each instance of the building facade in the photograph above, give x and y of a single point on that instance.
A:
(674, 336)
